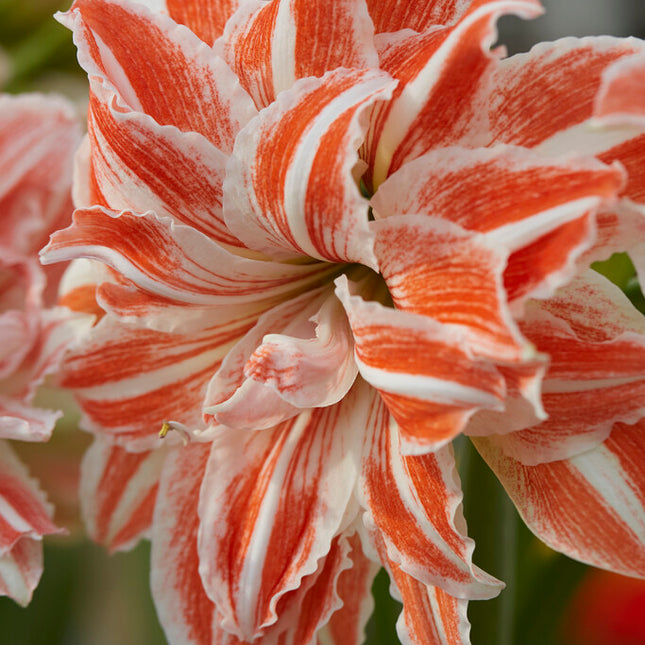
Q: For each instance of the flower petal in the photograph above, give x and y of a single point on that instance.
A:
(136, 164)
(393, 15)
(415, 504)
(129, 380)
(25, 516)
(174, 261)
(438, 70)
(290, 188)
(532, 99)
(268, 45)
(437, 269)
(591, 506)
(159, 68)
(596, 343)
(118, 493)
(430, 615)
(38, 135)
(299, 355)
(186, 613)
(621, 93)
(424, 371)
(270, 504)
(206, 18)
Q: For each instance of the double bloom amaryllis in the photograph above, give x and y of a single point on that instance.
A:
(38, 136)
(321, 240)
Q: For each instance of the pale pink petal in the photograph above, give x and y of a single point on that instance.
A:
(159, 68)
(118, 493)
(414, 503)
(437, 70)
(25, 517)
(424, 371)
(290, 189)
(20, 570)
(38, 135)
(175, 261)
(298, 355)
(24, 422)
(270, 504)
(591, 506)
(269, 45)
(129, 380)
(533, 101)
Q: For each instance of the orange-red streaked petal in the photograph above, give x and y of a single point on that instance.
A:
(436, 102)
(270, 505)
(290, 188)
(269, 45)
(424, 371)
(414, 503)
(118, 493)
(591, 506)
(206, 18)
(621, 96)
(129, 380)
(532, 98)
(159, 68)
(173, 260)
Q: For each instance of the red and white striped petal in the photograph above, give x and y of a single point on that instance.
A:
(271, 503)
(25, 517)
(414, 503)
(129, 380)
(299, 355)
(24, 422)
(38, 135)
(621, 97)
(137, 164)
(159, 68)
(186, 613)
(424, 371)
(393, 15)
(438, 70)
(595, 339)
(290, 188)
(118, 490)
(437, 269)
(532, 100)
(175, 261)
(347, 625)
(269, 45)
(591, 506)
(510, 193)
(430, 616)
(206, 18)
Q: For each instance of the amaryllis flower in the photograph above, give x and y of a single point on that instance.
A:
(321, 240)
(38, 136)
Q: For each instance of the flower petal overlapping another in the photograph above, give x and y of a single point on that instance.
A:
(323, 241)
(38, 136)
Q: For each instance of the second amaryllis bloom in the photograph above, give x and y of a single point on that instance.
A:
(320, 242)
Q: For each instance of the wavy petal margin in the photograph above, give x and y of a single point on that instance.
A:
(25, 517)
(414, 502)
(270, 505)
(118, 493)
(591, 506)
(290, 188)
